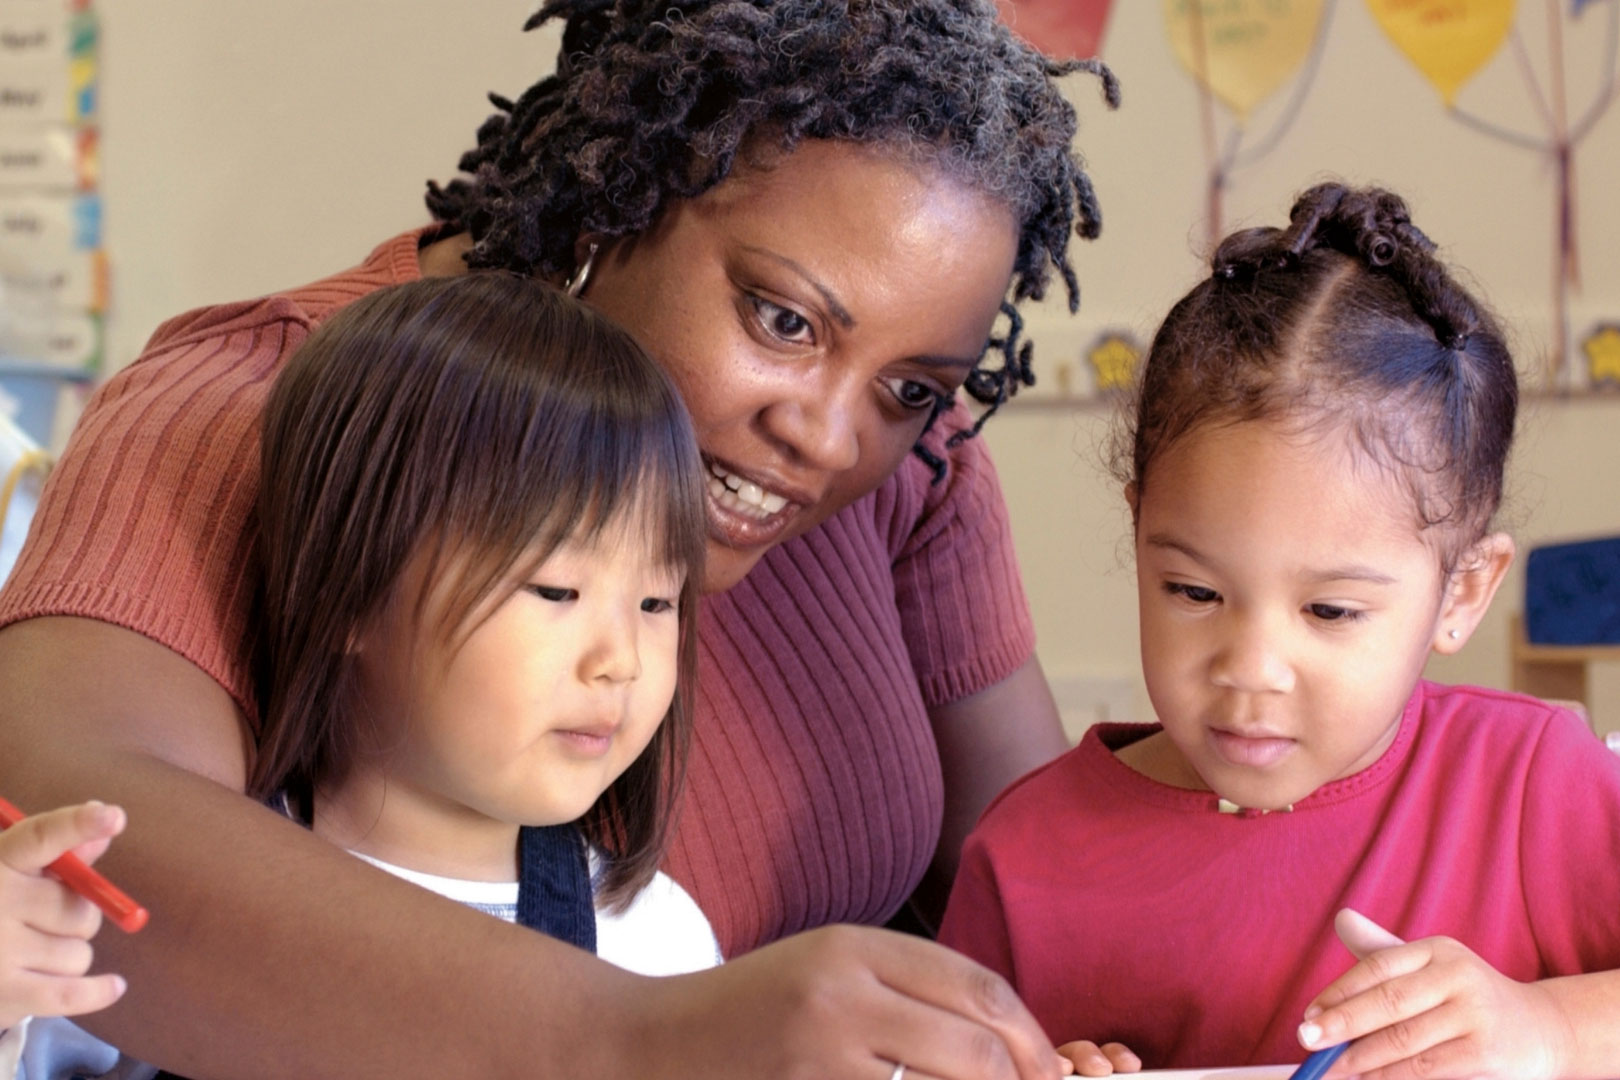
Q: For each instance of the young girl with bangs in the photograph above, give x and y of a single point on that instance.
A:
(1316, 455)
(481, 534)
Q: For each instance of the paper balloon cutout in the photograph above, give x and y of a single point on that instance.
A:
(1602, 350)
(1067, 29)
(1242, 51)
(1448, 40)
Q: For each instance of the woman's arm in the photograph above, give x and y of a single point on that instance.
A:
(986, 741)
(272, 954)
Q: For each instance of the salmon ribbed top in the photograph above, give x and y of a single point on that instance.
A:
(814, 792)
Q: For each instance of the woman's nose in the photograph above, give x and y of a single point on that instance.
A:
(1253, 660)
(817, 422)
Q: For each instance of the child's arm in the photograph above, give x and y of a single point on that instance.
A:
(45, 927)
(1433, 1009)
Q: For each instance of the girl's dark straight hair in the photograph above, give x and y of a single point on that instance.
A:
(473, 422)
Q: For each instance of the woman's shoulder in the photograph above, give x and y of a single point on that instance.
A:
(947, 476)
(214, 327)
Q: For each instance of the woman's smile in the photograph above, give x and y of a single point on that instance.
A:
(811, 310)
(747, 512)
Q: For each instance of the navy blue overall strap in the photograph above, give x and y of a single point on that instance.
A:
(554, 884)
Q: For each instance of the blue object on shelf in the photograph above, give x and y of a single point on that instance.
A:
(1572, 593)
(30, 396)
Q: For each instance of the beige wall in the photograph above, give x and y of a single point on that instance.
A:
(250, 146)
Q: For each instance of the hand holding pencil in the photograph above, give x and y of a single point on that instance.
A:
(45, 926)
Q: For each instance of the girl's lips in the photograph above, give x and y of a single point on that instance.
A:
(1255, 752)
(588, 742)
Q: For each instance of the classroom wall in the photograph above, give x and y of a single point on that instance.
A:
(250, 146)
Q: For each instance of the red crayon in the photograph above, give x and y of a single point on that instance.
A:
(125, 913)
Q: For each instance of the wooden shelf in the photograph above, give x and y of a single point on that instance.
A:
(1556, 672)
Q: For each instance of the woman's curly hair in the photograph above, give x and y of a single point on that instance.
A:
(653, 99)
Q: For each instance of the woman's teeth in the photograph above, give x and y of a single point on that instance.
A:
(742, 496)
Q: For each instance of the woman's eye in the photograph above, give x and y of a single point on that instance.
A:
(782, 323)
(656, 605)
(554, 594)
(1333, 612)
(1197, 594)
(913, 394)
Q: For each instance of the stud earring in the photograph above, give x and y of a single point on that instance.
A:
(576, 284)
(1453, 634)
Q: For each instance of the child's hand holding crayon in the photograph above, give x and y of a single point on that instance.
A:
(1433, 1008)
(45, 927)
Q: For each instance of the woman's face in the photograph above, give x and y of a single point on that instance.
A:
(810, 310)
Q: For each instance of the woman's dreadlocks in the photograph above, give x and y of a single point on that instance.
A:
(653, 99)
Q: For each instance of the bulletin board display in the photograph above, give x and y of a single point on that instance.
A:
(1257, 68)
(53, 268)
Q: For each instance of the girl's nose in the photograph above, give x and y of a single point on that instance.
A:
(612, 654)
(816, 422)
(1253, 661)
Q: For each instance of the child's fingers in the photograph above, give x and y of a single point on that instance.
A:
(1373, 992)
(44, 905)
(1361, 935)
(1427, 1048)
(47, 954)
(34, 843)
(1122, 1057)
(34, 994)
(1088, 1058)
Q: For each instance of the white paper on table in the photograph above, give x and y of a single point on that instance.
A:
(1247, 1072)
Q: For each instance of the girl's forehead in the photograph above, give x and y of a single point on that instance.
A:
(1315, 483)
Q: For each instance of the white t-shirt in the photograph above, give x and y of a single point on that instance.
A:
(662, 932)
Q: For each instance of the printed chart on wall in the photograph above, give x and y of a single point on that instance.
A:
(53, 280)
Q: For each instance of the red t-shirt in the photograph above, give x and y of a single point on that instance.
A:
(814, 791)
(1124, 909)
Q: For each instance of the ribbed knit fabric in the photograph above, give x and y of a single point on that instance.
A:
(554, 885)
(814, 790)
(146, 521)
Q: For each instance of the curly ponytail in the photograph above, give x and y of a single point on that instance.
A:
(1344, 316)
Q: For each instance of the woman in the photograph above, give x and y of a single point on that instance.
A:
(811, 213)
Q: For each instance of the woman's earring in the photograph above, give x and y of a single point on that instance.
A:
(1453, 634)
(576, 284)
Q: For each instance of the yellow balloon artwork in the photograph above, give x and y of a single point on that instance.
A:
(1448, 40)
(1242, 51)
(1115, 359)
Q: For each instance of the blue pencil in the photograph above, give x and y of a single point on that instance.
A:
(1318, 1063)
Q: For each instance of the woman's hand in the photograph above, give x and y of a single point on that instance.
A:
(1433, 1009)
(850, 1003)
(45, 927)
(1089, 1059)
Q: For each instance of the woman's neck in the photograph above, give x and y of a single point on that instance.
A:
(388, 820)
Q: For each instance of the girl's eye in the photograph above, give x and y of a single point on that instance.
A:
(782, 323)
(1197, 594)
(554, 594)
(1334, 613)
(912, 394)
(656, 605)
